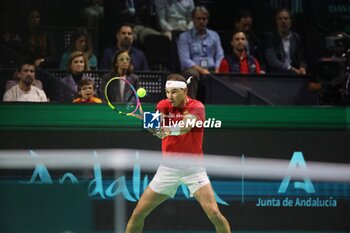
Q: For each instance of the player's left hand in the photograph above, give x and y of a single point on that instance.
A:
(162, 132)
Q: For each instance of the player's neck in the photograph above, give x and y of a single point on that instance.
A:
(183, 103)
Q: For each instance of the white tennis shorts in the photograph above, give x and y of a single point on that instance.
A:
(167, 179)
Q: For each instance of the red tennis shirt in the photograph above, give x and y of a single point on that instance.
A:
(190, 142)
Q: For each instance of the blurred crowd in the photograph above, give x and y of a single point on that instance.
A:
(170, 35)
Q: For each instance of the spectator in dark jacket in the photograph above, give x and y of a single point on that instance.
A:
(124, 40)
(284, 52)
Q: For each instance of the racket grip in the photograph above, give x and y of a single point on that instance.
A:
(175, 130)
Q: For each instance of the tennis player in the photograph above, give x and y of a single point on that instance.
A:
(175, 141)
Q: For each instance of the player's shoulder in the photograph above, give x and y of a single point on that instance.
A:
(164, 103)
(195, 103)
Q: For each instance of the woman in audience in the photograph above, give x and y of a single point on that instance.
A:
(77, 66)
(80, 42)
(38, 44)
(122, 67)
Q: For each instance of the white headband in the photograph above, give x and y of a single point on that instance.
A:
(177, 84)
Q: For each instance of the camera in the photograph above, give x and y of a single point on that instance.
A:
(333, 72)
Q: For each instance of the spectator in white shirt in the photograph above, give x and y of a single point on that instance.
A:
(24, 91)
(174, 15)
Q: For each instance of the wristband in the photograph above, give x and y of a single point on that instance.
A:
(175, 130)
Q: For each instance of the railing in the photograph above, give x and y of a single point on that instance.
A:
(231, 88)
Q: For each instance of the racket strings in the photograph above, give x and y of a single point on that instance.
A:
(131, 105)
(130, 102)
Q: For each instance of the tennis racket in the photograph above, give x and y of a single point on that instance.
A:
(132, 106)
